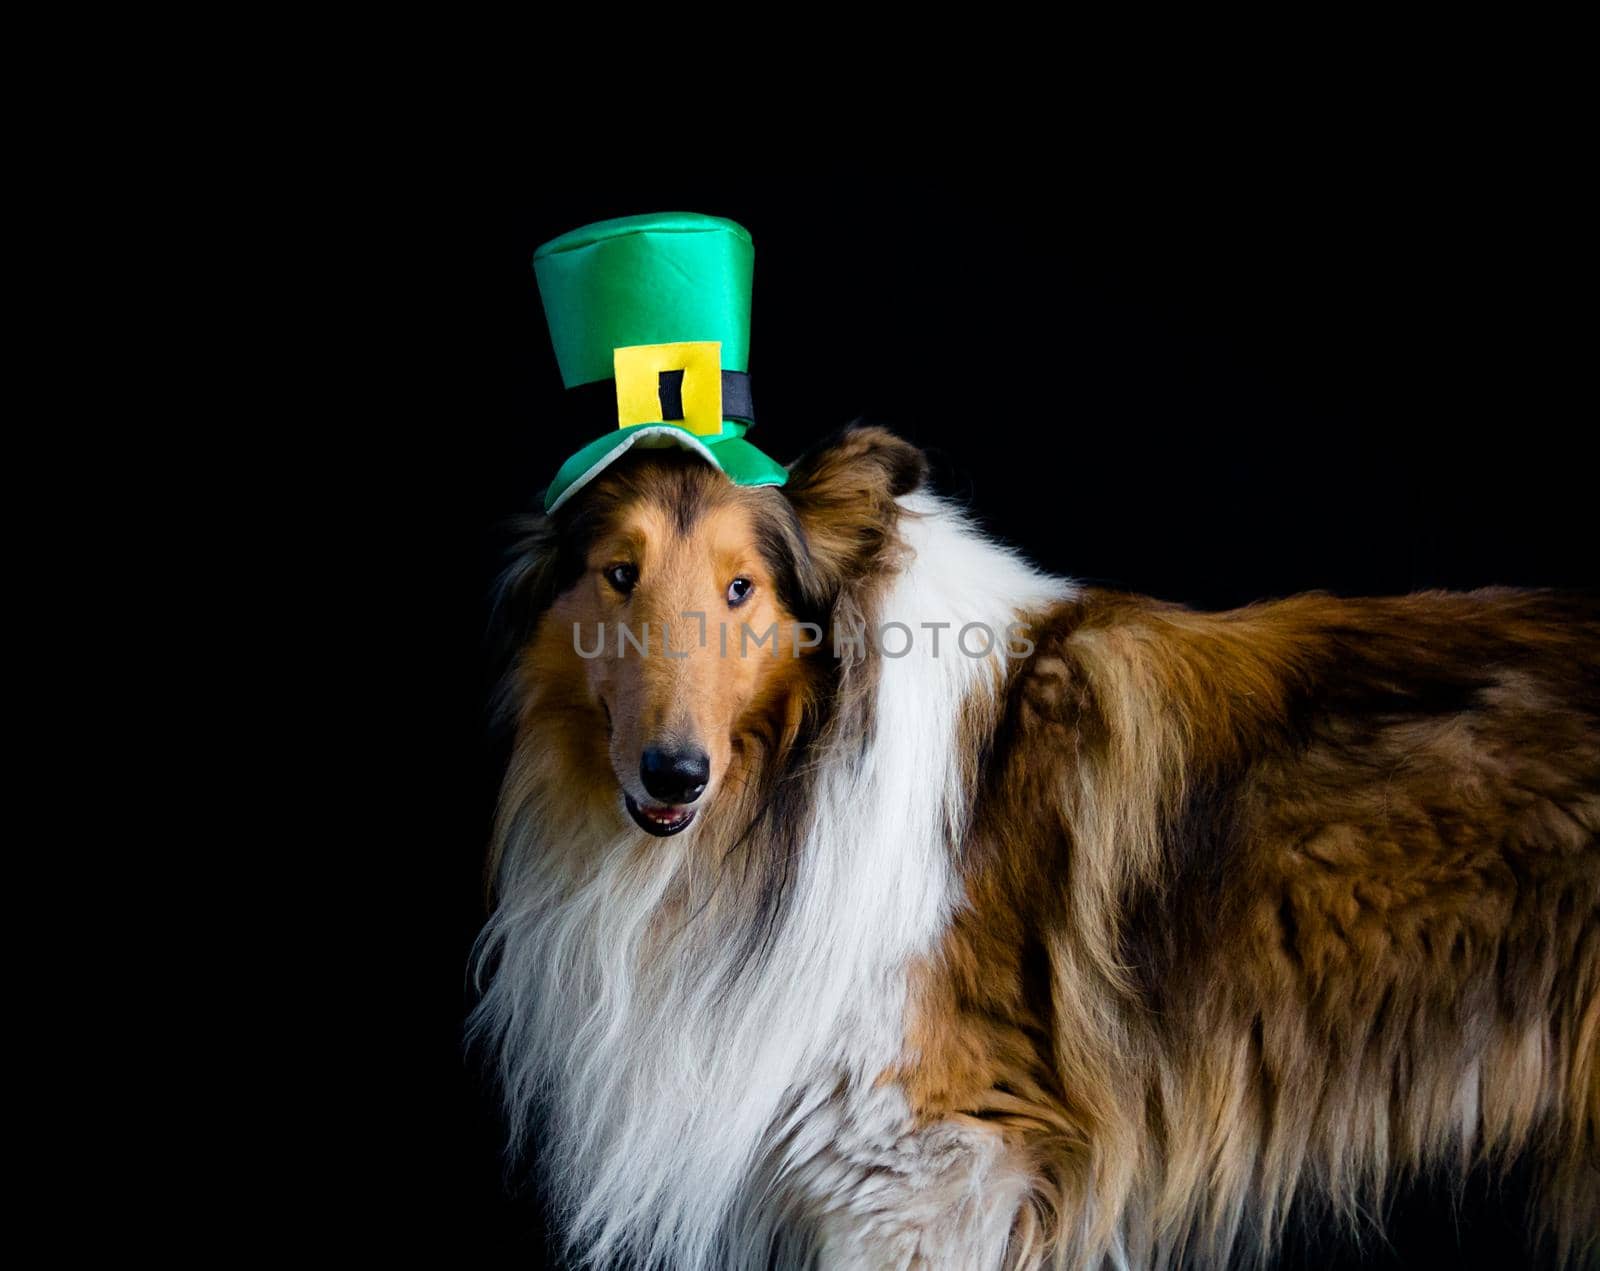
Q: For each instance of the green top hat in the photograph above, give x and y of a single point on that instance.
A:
(650, 318)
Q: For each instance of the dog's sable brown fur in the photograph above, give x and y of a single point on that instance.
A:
(1301, 893)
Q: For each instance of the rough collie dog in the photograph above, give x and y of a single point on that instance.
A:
(1096, 946)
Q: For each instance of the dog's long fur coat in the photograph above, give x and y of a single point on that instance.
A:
(1101, 953)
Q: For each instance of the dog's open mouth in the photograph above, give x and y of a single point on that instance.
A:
(662, 820)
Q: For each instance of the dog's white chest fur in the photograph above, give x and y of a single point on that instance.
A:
(693, 1114)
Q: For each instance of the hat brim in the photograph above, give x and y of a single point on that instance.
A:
(730, 454)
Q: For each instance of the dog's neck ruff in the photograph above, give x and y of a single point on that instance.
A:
(680, 1090)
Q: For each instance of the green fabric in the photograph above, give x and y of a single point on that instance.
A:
(655, 279)
(662, 278)
(730, 453)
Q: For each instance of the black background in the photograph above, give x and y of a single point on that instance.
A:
(1214, 374)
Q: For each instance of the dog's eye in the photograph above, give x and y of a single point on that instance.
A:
(739, 591)
(622, 577)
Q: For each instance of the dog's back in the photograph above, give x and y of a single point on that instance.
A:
(1316, 901)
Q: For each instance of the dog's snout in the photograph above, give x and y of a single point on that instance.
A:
(675, 776)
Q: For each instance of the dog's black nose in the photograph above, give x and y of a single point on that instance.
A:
(674, 776)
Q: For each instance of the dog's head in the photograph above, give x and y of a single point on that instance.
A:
(668, 616)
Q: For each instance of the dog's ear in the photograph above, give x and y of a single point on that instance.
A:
(844, 494)
(526, 587)
(545, 558)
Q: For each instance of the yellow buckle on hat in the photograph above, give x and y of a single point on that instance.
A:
(639, 370)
